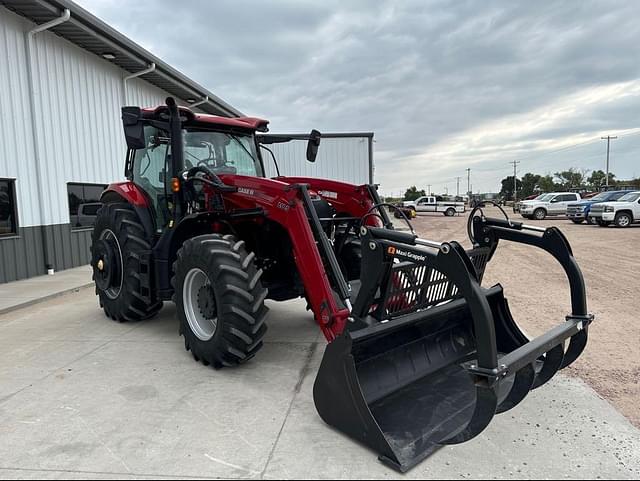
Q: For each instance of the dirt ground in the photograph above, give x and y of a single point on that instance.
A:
(538, 295)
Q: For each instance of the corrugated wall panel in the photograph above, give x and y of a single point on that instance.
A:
(22, 257)
(79, 97)
(345, 159)
(16, 136)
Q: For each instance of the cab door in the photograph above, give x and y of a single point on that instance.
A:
(422, 205)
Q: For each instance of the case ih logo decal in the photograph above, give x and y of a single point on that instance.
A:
(412, 256)
(244, 190)
(329, 194)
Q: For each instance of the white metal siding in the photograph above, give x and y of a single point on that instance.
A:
(78, 98)
(16, 137)
(344, 158)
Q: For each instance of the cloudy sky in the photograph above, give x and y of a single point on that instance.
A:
(445, 86)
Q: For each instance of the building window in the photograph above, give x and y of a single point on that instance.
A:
(8, 211)
(84, 203)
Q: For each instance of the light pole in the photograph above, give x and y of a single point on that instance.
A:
(608, 138)
(515, 180)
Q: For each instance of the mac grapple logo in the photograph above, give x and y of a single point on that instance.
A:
(395, 252)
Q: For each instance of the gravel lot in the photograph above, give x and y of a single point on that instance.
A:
(539, 296)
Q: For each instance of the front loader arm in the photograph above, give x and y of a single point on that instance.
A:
(290, 206)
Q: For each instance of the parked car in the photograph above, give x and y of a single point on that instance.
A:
(430, 203)
(552, 204)
(579, 212)
(624, 212)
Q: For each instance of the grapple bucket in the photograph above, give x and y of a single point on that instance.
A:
(432, 356)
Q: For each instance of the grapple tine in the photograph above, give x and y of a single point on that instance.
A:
(522, 384)
(550, 365)
(576, 346)
(483, 412)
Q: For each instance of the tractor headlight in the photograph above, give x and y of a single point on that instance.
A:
(609, 208)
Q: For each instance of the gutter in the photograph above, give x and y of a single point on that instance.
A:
(204, 100)
(149, 69)
(66, 15)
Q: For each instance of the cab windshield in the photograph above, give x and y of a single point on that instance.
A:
(224, 153)
(544, 197)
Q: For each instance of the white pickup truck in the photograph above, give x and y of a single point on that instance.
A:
(624, 212)
(430, 203)
(555, 203)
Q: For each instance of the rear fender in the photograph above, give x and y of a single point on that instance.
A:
(133, 195)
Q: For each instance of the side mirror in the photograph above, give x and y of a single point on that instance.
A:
(133, 127)
(312, 145)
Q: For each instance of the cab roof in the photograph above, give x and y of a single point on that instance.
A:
(248, 123)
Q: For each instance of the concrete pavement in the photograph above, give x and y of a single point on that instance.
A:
(14, 295)
(83, 396)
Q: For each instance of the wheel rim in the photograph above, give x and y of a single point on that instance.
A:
(623, 221)
(539, 214)
(199, 304)
(114, 287)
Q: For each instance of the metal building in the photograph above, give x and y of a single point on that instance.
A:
(63, 76)
(342, 156)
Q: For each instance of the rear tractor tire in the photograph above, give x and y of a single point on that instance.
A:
(118, 243)
(220, 300)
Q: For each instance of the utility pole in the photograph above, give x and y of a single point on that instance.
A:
(515, 179)
(469, 182)
(458, 186)
(608, 138)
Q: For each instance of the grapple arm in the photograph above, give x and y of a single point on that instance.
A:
(432, 355)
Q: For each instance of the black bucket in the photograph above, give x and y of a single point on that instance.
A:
(404, 388)
(399, 387)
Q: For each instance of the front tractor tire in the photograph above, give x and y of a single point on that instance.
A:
(118, 245)
(220, 300)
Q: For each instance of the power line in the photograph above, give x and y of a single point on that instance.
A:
(573, 146)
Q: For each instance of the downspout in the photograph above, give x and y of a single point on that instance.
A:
(204, 100)
(66, 15)
(151, 68)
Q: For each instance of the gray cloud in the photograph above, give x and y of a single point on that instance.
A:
(440, 83)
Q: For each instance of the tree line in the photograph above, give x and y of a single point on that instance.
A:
(572, 179)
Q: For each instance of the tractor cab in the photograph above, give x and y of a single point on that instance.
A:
(215, 144)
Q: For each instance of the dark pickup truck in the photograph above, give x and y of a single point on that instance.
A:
(579, 211)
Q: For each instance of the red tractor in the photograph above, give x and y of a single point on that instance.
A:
(419, 353)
